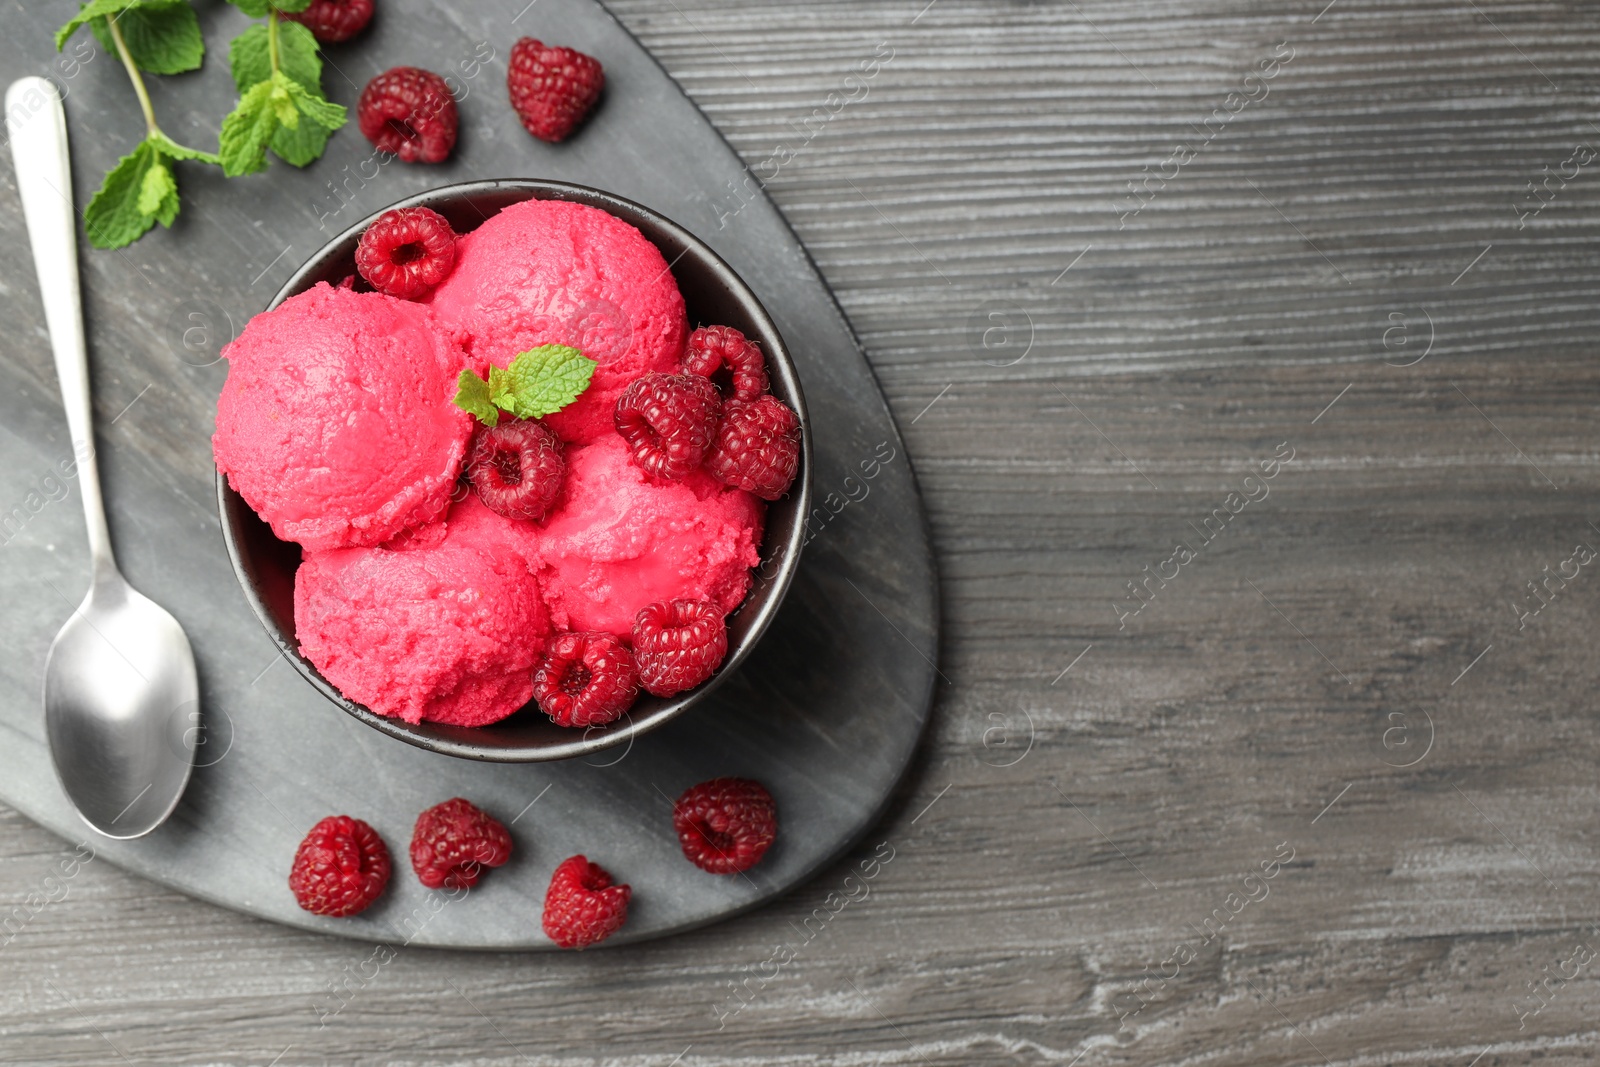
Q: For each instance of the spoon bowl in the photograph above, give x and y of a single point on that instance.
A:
(122, 709)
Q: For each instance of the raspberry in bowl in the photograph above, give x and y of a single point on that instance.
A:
(607, 497)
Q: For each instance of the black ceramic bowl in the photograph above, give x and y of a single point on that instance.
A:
(715, 295)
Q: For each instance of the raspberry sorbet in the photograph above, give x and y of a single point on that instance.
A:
(623, 541)
(551, 272)
(444, 625)
(336, 423)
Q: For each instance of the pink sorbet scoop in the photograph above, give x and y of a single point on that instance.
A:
(336, 423)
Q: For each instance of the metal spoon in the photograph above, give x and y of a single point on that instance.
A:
(120, 694)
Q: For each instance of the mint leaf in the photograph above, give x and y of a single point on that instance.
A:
(472, 395)
(116, 215)
(158, 193)
(283, 108)
(302, 145)
(294, 7)
(162, 38)
(313, 106)
(298, 56)
(173, 150)
(250, 61)
(500, 387)
(167, 210)
(93, 10)
(249, 58)
(544, 380)
(242, 144)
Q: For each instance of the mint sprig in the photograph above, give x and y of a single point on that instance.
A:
(278, 72)
(539, 382)
(158, 37)
(277, 68)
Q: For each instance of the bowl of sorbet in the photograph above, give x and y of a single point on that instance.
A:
(544, 272)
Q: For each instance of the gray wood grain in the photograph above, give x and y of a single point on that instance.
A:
(1018, 916)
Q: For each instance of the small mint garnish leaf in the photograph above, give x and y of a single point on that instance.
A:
(539, 382)
(472, 396)
(544, 380)
(500, 388)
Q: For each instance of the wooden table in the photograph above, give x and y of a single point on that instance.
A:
(1319, 786)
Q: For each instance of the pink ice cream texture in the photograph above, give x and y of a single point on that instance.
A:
(621, 541)
(445, 625)
(336, 423)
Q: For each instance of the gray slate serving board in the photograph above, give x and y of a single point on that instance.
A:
(827, 712)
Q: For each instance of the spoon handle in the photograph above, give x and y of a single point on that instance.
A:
(37, 126)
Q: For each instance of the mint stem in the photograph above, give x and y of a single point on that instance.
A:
(133, 76)
(272, 38)
(150, 126)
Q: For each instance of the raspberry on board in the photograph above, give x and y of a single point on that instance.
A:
(725, 825)
(333, 21)
(409, 112)
(757, 447)
(406, 252)
(454, 841)
(582, 907)
(517, 467)
(552, 89)
(711, 348)
(668, 421)
(586, 679)
(678, 644)
(340, 868)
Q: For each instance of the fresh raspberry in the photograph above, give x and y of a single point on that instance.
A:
(669, 421)
(332, 21)
(453, 842)
(725, 825)
(678, 645)
(407, 252)
(586, 679)
(713, 347)
(517, 468)
(582, 907)
(410, 113)
(340, 868)
(552, 89)
(757, 447)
